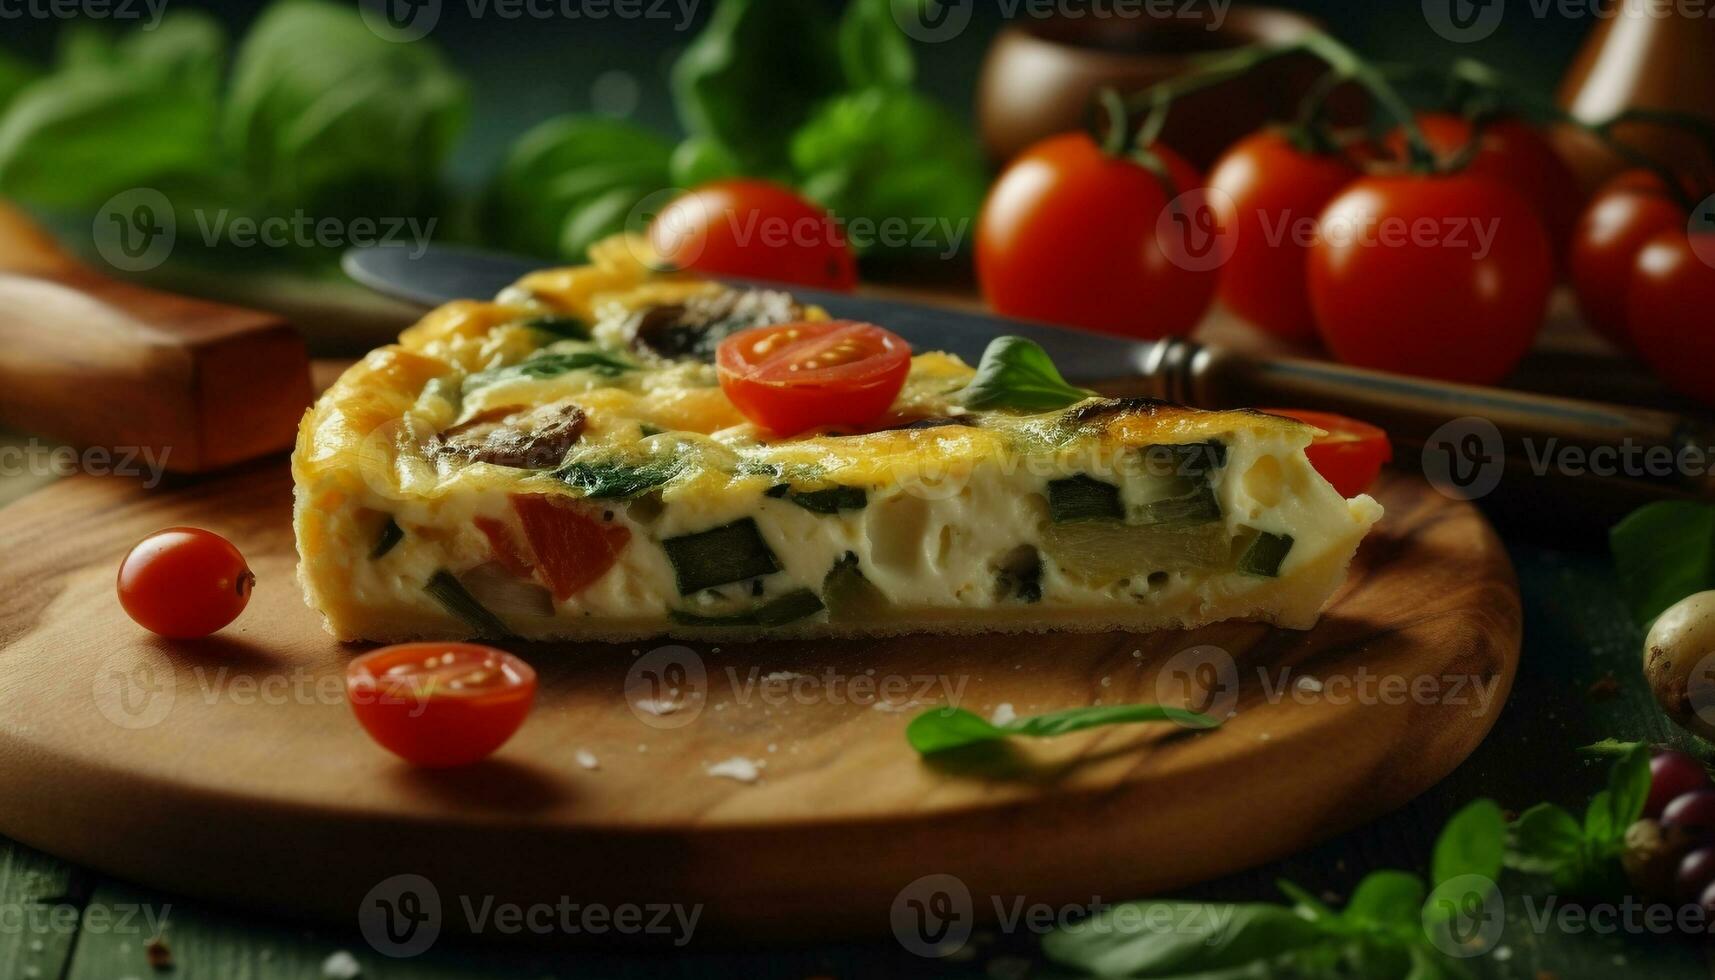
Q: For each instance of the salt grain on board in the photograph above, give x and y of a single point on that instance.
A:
(587, 759)
(1003, 714)
(738, 768)
(341, 966)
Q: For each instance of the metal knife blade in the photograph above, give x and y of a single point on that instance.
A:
(439, 274)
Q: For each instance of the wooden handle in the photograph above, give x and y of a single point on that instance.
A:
(98, 362)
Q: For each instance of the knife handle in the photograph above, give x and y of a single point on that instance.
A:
(98, 362)
(1458, 430)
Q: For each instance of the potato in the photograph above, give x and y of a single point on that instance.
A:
(1679, 662)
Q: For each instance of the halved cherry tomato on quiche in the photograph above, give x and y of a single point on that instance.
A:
(1349, 454)
(792, 377)
(439, 705)
(754, 229)
(184, 582)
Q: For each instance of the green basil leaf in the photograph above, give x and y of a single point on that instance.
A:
(943, 729)
(1017, 373)
(329, 117)
(1611, 748)
(1599, 819)
(873, 50)
(699, 160)
(571, 181)
(1472, 843)
(185, 52)
(1663, 552)
(904, 175)
(1163, 939)
(753, 76)
(1387, 899)
(14, 75)
(1544, 839)
(1628, 790)
(1304, 903)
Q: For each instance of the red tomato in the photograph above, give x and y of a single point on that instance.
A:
(440, 704)
(184, 582)
(1516, 154)
(1668, 309)
(573, 548)
(1070, 235)
(796, 376)
(1277, 190)
(1349, 454)
(753, 229)
(1439, 277)
(1626, 213)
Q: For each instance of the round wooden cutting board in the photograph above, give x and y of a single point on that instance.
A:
(232, 768)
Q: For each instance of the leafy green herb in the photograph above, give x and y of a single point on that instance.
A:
(830, 500)
(615, 480)
(1265, 553)
(1083, 498)
(453, 597)
(1609, 748)
(1583, 856)
(391, 535)
(851, 596)
(1379, 935)
(699, 160)
(1664, 552)
(731, 553)
(754, 75)
(1017, 373)
(873, 51)
(560, 326)
(942, 729)
(789, 608)
(545, 365)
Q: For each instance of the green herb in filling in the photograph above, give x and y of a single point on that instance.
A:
(1265, 553)
(1199, 506)
(1083, 498)
(391, 535)
(720, 555)
(849, 595)
(789, 608)
(446, 590)
(612, 480)
(831, 500)
(544, 366)
(561, 327)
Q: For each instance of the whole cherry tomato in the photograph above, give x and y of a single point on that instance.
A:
(1440, 277)
(1277, 190)
(796, 376)
(1625, 214)
(1668, 309)
(1071, 235)
(184, 582)
(1515, 153)
(440, 704)
(753, 229)
(1349, 454)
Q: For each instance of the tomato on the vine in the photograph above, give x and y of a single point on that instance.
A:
(1668, 309)
(1349, 454)
(184, 582)
(795, 376)
(1277, 190)
(1515, 153)
(440, 704)
(1441, 277)
(1625, 214)
(754, 229)
(1071, 235)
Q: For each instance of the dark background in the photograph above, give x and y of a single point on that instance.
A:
(526, 70)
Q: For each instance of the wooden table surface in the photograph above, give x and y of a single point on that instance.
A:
(60, 921)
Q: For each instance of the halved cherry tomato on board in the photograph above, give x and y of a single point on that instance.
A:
(1623, 216)
(440, 704)
(184, 582)
(1515, 153)
(1071, 235)
(1277, 191)
(754, 229)
(1349, 454)
(1668, 309)
(796, 376)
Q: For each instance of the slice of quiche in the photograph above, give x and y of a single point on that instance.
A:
(565, 462)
